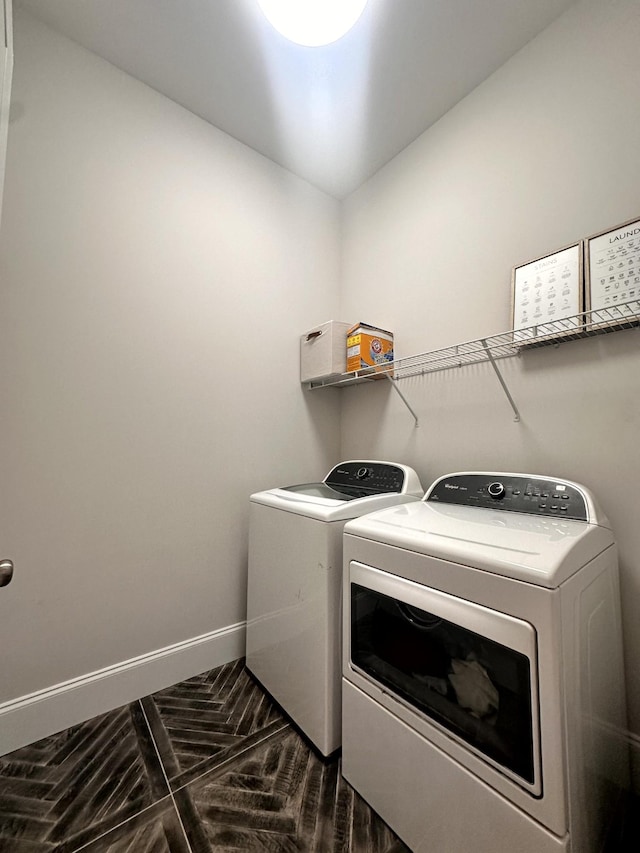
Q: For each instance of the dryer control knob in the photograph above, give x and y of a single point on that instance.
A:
(363, 473)
(496, 490)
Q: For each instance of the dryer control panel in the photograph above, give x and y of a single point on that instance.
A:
(367, 478)
(513, 493)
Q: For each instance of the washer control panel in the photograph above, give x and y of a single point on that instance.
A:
(513, 493)
(368, 477)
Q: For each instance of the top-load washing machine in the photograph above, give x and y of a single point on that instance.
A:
(295, 586)
(484, 700)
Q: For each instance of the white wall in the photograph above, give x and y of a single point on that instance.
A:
(156, 276)
(544, 153)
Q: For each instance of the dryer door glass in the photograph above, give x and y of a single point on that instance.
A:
(451, 670)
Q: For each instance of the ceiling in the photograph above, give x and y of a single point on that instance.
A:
(331, 115)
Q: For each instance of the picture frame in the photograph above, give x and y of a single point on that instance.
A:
(547, 295)
(612, 276)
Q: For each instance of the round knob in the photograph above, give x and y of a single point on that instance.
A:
(496, 490)
(6, 572)
(361, 473)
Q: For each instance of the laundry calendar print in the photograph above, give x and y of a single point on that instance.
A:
(548, 291)
(613, 279)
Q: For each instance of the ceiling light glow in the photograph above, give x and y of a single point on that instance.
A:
(312, 23)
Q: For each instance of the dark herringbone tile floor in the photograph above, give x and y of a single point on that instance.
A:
(207, 765)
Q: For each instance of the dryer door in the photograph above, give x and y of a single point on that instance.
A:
(468, 670)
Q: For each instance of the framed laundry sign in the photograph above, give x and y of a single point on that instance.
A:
(613, 274)
(547, 295)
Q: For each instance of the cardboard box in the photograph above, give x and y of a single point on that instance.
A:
(369, 347)
(323, 351)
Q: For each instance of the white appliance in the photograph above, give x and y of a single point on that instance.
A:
(484, 700)
(295, 586)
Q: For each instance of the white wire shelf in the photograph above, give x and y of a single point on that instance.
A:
(507, 344)
(625, 315)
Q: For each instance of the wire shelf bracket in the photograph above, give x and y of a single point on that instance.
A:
(501, 381)
(403, 398)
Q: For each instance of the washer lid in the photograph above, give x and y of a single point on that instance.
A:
(322, 490)
(349, 490)
(325, 508)
(539, 550)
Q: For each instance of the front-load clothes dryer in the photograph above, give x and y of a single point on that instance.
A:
(484, 700)
(295, 586)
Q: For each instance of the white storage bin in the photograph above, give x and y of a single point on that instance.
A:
(323, 351)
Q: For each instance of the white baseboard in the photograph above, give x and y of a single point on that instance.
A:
(30, 718)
